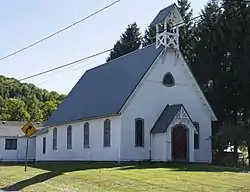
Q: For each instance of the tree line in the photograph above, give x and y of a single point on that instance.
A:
(26, 102)
(217, 49)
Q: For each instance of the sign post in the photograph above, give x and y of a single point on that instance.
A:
(28, 130)
(26, 156)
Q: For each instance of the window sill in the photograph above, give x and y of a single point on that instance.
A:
(139, 146)
(10, 149)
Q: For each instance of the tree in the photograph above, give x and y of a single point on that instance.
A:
(13, 94)
(149, 36)
(16, 110)
(187, 30)
(221, 65)
(48, 108)
(34, 108)
(129, 41)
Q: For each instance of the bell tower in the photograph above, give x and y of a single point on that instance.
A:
(167, 23)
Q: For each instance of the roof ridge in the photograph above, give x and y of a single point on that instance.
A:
(125, 55)
(173, 4)
(162, 14)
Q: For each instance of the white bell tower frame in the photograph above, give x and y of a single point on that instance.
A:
(167, 29)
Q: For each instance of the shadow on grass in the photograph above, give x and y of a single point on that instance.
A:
(184, 167)
(31, 181)
(59, 168)
(54, 169)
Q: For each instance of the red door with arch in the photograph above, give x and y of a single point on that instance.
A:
(179, 143)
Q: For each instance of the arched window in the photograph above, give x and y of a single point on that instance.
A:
(54, 142)
(139, 132)
(86, 135)
(106, 135)
(69, 137)
(168, 80)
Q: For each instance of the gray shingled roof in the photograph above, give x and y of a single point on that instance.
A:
(162, 15)
(165, 118)
(103, 90)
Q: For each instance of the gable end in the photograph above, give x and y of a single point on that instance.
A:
(199, 91)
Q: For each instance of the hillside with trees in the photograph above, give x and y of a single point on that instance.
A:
(22, 101)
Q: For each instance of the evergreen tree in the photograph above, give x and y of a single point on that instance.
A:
(129, 41)
(149, 36)
(187, 30)
(221, 66)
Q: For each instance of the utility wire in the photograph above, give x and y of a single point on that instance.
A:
(65, 65)
(85, 58)
(61, 30)
(56, 72)
(79, 60)
(85, 18)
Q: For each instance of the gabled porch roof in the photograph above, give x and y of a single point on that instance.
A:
(167, 117)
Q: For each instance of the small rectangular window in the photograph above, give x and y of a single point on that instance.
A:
(44, 145)
(197, 136)
(10, 144)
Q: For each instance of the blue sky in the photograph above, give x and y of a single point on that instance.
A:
(23, 22)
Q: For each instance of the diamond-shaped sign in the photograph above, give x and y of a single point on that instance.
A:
(28, 129)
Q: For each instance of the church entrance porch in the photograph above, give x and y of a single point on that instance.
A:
(173, 136)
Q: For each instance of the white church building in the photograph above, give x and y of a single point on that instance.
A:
(145, 105)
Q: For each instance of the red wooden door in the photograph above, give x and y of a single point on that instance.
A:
(179, 143)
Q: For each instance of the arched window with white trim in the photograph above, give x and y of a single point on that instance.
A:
(69, 137)
(86, 135)
(54, 142)
(139, 132)
(107, 133)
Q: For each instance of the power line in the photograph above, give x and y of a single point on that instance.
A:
(85, 58)
(61, 30)
(77, 61)
(65, 65)
(56, 72)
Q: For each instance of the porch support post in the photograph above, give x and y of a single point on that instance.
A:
(191, 145)
(169, 144)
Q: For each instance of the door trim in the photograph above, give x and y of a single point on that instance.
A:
(187, 143)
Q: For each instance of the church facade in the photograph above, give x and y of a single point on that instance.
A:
(145, 105)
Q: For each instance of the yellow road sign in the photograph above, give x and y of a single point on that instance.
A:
(28, 129)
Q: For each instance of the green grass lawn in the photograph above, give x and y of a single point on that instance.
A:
(120, 177)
